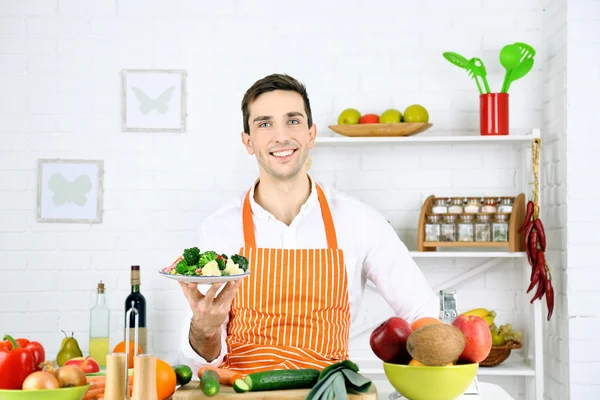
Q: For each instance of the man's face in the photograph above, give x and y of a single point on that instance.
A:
(279, 133)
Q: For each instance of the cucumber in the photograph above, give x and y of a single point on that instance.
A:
(240, 386)
(209, 383)
(282, 380)
(183, 374)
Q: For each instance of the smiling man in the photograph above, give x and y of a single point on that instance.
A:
(310, 250)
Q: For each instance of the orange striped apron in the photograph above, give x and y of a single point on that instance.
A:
(293, 310)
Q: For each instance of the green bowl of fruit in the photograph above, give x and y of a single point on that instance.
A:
(67, 393)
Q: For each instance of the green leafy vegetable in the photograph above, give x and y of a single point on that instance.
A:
(241, 261)
(191, 255)
(183, 268)
(207, 257)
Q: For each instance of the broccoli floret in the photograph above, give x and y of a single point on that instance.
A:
(191, 255)
(183, 268)
(241, 261)
(206, 257)
(222, 262)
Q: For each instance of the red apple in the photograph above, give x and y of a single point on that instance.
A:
(369, 119)
(88, 365)
(477, 335)
(388, 341)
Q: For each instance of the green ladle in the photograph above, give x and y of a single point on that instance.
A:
(510, 58)
(520, 71)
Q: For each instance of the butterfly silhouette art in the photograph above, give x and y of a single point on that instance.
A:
(159, 104)
(69, 192)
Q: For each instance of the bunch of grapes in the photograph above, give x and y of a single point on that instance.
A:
(509, 334)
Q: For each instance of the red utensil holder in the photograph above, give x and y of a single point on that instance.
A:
(493, 114)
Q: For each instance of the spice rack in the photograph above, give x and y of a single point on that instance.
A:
(515, 241)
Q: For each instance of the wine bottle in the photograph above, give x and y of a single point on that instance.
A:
(99, 328)
(136, 300)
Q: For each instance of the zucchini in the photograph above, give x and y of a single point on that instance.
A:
(209, 383)
(183, 374)
(282, 379)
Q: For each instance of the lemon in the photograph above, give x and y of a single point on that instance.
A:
(416, 113)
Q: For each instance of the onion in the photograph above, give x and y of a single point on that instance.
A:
(70, 375)
(40, 380)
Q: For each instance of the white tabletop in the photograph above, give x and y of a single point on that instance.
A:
(487, 391)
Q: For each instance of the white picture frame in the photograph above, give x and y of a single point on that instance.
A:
(70, 191)
(153, 100)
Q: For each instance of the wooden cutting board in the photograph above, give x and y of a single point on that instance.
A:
(192, 391)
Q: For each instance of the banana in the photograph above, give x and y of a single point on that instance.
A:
(489, 319)
(480, 312)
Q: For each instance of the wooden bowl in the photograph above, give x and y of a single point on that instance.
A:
(375, 130)
(499, 354)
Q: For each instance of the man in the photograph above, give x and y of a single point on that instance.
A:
(310, 251)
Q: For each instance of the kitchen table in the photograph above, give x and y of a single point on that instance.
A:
(191, 391)
(487, 391)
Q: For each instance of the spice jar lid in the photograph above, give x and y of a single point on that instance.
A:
(467, 217)
(502, 216)
(439, 200)
(449, 217)
(490, 199)
(457, 200)
(507, 200)
(474, 199)
(433, 217)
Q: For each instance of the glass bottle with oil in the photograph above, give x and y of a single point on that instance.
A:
(100, 328)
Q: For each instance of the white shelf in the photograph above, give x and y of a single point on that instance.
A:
(466, 254)
(508, 139)
(513, 366)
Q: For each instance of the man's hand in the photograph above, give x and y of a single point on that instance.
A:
(209, 314)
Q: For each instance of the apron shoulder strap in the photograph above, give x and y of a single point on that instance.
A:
(327, 220)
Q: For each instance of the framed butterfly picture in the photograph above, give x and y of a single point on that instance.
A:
(70, 191)
(153, 100)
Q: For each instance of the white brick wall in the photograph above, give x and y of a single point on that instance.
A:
(60, 97)
(583, 77)
(553, 193)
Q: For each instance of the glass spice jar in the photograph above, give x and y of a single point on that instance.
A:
(456, 205)
(440, 206)
(473, 205)
(432, 228)
(483, 231)
(506, 204)
(500, 227)
(465, 228)
(448, 228)
(489, 205)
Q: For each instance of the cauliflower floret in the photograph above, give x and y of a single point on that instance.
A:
(232, 268)
(211, 269)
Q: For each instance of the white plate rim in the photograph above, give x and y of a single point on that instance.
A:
(204, 279)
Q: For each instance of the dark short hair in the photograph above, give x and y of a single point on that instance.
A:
(268, 84)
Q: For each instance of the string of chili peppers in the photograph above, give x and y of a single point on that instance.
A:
(535, 240)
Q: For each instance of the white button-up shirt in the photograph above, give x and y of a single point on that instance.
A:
(372, 250)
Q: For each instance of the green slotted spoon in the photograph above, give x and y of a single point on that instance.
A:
(476, 69)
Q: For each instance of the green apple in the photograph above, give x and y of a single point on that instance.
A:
(390, 116)
(349, 116)
(416, 113)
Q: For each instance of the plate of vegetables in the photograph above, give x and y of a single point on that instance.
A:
(206, 267)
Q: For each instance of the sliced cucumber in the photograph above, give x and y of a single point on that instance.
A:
(240, 386)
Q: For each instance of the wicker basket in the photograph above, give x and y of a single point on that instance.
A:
(500, 353)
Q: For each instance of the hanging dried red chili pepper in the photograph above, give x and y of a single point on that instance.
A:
(535, 240)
